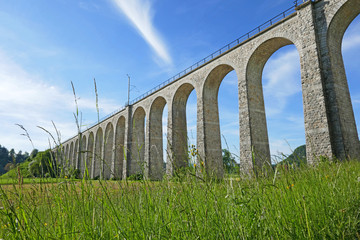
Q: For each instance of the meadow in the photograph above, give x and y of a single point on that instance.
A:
(307, 202)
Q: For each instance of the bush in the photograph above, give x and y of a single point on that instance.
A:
(135, 177)
(41, 164)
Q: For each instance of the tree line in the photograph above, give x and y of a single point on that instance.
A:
(9, 159)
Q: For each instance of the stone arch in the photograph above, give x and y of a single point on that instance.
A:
(119, 148)
(82, 156)
(345, 137)
(155, 151)
(210, 125)
(136, 164)
(257, 118)
(89, 156)
(98, 157)
(71, 154)
(177, 130)
(108, 150)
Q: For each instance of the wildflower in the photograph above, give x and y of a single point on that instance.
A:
(287, 187)
(45, 224)
(292, 185)
(202, 163)
(194, 165)
(65, 177)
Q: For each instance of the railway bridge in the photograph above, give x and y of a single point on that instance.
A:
(124, 144)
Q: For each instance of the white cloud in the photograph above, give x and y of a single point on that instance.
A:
(352, 36)
(28, 100)
(281, 81)
(140, 13)
(351, 42)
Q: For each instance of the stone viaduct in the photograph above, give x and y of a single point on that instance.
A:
(130, 141)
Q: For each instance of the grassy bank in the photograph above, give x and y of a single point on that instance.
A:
(311, 202)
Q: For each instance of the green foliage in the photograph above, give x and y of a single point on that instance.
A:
(310, 202)
(34, 153)
(230, 165)
(13, 173)
(137, 176)
(9, 159)
(298, 157)
(41, 165)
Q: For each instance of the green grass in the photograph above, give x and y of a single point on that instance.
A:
(320, 202)
(11, 181)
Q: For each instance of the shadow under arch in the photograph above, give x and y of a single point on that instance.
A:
(177, 129)
(117, 168)
(66, 158)
(89, 156)
(259, 151)
(209, 124)
(345, 135)
(108, 150)
(154, 168)
(98, 149)
(82, 156)
(71, 155)
(136, 163)
(76, 155)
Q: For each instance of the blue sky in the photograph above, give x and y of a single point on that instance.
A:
(44, 45)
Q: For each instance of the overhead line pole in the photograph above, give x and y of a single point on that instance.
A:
(128, 89)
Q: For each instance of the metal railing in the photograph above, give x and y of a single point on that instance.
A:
(210, 57)
(223, 50)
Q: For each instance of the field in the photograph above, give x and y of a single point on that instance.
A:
(309, 202)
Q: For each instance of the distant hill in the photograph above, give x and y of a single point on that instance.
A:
(297, 157)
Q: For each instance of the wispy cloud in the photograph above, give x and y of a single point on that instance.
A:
(350, 43)
(281, 81)
(140, 13)
(352, 37)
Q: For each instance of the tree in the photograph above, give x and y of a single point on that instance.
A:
(9, 166)
(229, 162)
(7, 157)
(42, 165)
(12, 154)
(34, 153)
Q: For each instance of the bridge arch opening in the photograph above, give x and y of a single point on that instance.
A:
(275, 101)
(120, 148)
(343, 45)
(108, 150)
(181, 128)
(155, 166)
(136, 165)
(98, 158)
(351, 53)
(89, 156)
(221, 120)
(284, 105)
